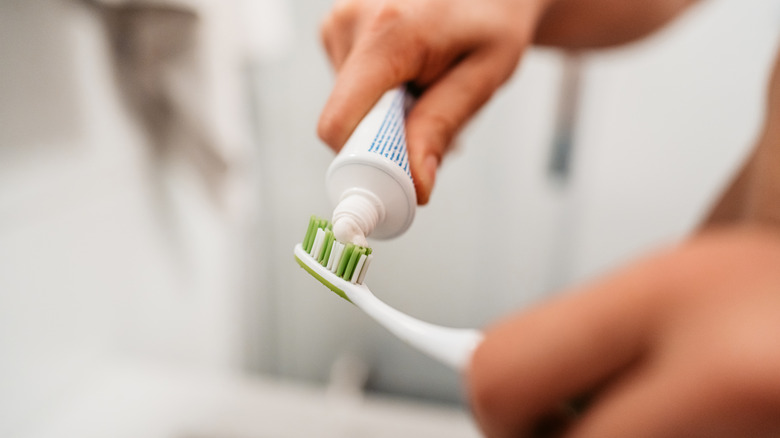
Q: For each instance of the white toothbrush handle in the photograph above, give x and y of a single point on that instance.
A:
(451, 346)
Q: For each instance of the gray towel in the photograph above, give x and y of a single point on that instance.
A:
(155, 46)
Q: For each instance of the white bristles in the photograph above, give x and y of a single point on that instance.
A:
(358, 267)
(314, 243)
(332, 255)
(337, 251)
(319, 239)
(364, 269)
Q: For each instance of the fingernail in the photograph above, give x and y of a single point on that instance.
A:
(430, 166)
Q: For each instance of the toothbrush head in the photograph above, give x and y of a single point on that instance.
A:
(333, 263)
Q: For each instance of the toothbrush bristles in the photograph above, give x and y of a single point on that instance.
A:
(348, 261)
(364, 269)
(361, 262)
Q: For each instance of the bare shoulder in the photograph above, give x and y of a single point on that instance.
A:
(774, 87)
(763, 196)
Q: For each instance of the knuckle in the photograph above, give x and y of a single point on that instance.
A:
(391, 38)
(391, 14)
(326, 30)
(393, 22)
(441, 130)
(487, 389)
(396, 66)
(507, 59)
(344, 10)
(341, 16)
(328, 130)
(327, 25)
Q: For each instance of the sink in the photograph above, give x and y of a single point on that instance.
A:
(146, 401)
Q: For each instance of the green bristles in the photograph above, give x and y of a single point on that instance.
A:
(315, 223)
(341, 270)
(348, 259)
(353, 259)
(309, 238)
(327, 247)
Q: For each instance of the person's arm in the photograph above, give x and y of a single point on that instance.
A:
(455, 54)
(682, 344)
(587, 24)
(753, 197)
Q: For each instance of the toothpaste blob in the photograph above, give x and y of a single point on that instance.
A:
(370, 182)
(346, 229)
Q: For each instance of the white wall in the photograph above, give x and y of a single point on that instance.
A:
(104, 255)
(664, 124)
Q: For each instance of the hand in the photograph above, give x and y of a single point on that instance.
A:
(683, 344)
(455, 53)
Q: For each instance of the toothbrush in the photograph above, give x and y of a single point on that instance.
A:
(342, 268)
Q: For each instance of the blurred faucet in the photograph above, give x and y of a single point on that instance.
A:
(562, 149)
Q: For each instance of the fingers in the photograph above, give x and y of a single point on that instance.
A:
(445, 107)
(527, 367)
(384, 57)
(337, 31)
(458, 56)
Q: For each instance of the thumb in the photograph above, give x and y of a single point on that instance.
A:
(441, 112)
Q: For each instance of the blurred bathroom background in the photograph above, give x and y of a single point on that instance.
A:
(158, 161)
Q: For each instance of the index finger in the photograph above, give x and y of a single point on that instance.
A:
(372, 68)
